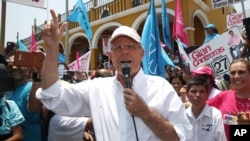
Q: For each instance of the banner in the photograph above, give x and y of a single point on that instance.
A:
(84, 61)
(33, 3)
(218, 53)
(105, 45)
(223, 3)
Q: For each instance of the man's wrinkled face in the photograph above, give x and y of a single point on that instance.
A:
(126, 50)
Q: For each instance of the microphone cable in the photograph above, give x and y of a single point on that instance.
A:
(136, 135)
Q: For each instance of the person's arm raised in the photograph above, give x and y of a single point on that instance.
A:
(51, 34)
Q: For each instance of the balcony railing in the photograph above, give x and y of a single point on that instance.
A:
(97, 9)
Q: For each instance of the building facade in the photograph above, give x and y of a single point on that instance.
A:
(106, 15)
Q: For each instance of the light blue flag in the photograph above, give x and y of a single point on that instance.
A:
(61, 58)
(155, 58)
(21, 46)
(165, 26)
(79, 14)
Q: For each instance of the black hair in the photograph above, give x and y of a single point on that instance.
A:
(178, 76)
(197, 81)
(215, 30)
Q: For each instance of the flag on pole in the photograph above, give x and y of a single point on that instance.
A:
(79, 14)
(165, 26)
(179, 31)
(61, 58)
(155, 58)
(20, 45)
(33, 3)
(33, 46)
(185, 60)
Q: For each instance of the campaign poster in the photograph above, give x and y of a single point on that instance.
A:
(106, 45)
(218, 53)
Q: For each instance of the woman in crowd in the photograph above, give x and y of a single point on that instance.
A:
(177, 81)
(235, 103)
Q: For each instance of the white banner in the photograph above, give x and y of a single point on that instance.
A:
(218, 53)
(222, 3)
(33, 3)
(84, 61)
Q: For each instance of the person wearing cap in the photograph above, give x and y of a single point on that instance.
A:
(149, 110)
(208, 74)
(212, 33)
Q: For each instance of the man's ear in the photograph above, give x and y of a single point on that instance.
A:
(142, 53)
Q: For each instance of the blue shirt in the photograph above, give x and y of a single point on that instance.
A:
(32, 129)
(211, 37)
(10, 116)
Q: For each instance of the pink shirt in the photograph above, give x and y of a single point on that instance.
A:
(228, 103)
(234, 40)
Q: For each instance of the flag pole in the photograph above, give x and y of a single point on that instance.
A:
(243, 9)
(2, 25)
(67, 33)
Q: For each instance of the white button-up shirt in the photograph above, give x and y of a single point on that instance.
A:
(208, 126)
(102, 100)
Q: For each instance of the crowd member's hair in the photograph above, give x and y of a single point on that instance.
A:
(215, 30)
(197, 81)
(103, 73)
(179, 76)
(247, 63)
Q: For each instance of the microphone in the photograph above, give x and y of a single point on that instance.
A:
(126, 74)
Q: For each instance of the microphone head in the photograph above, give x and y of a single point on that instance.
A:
(126, 69)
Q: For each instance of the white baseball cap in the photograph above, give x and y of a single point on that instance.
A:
(125, 31)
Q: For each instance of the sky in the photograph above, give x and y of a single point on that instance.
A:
(20, 18)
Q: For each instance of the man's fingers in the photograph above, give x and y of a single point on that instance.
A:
(54, 18)
(63, 27)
